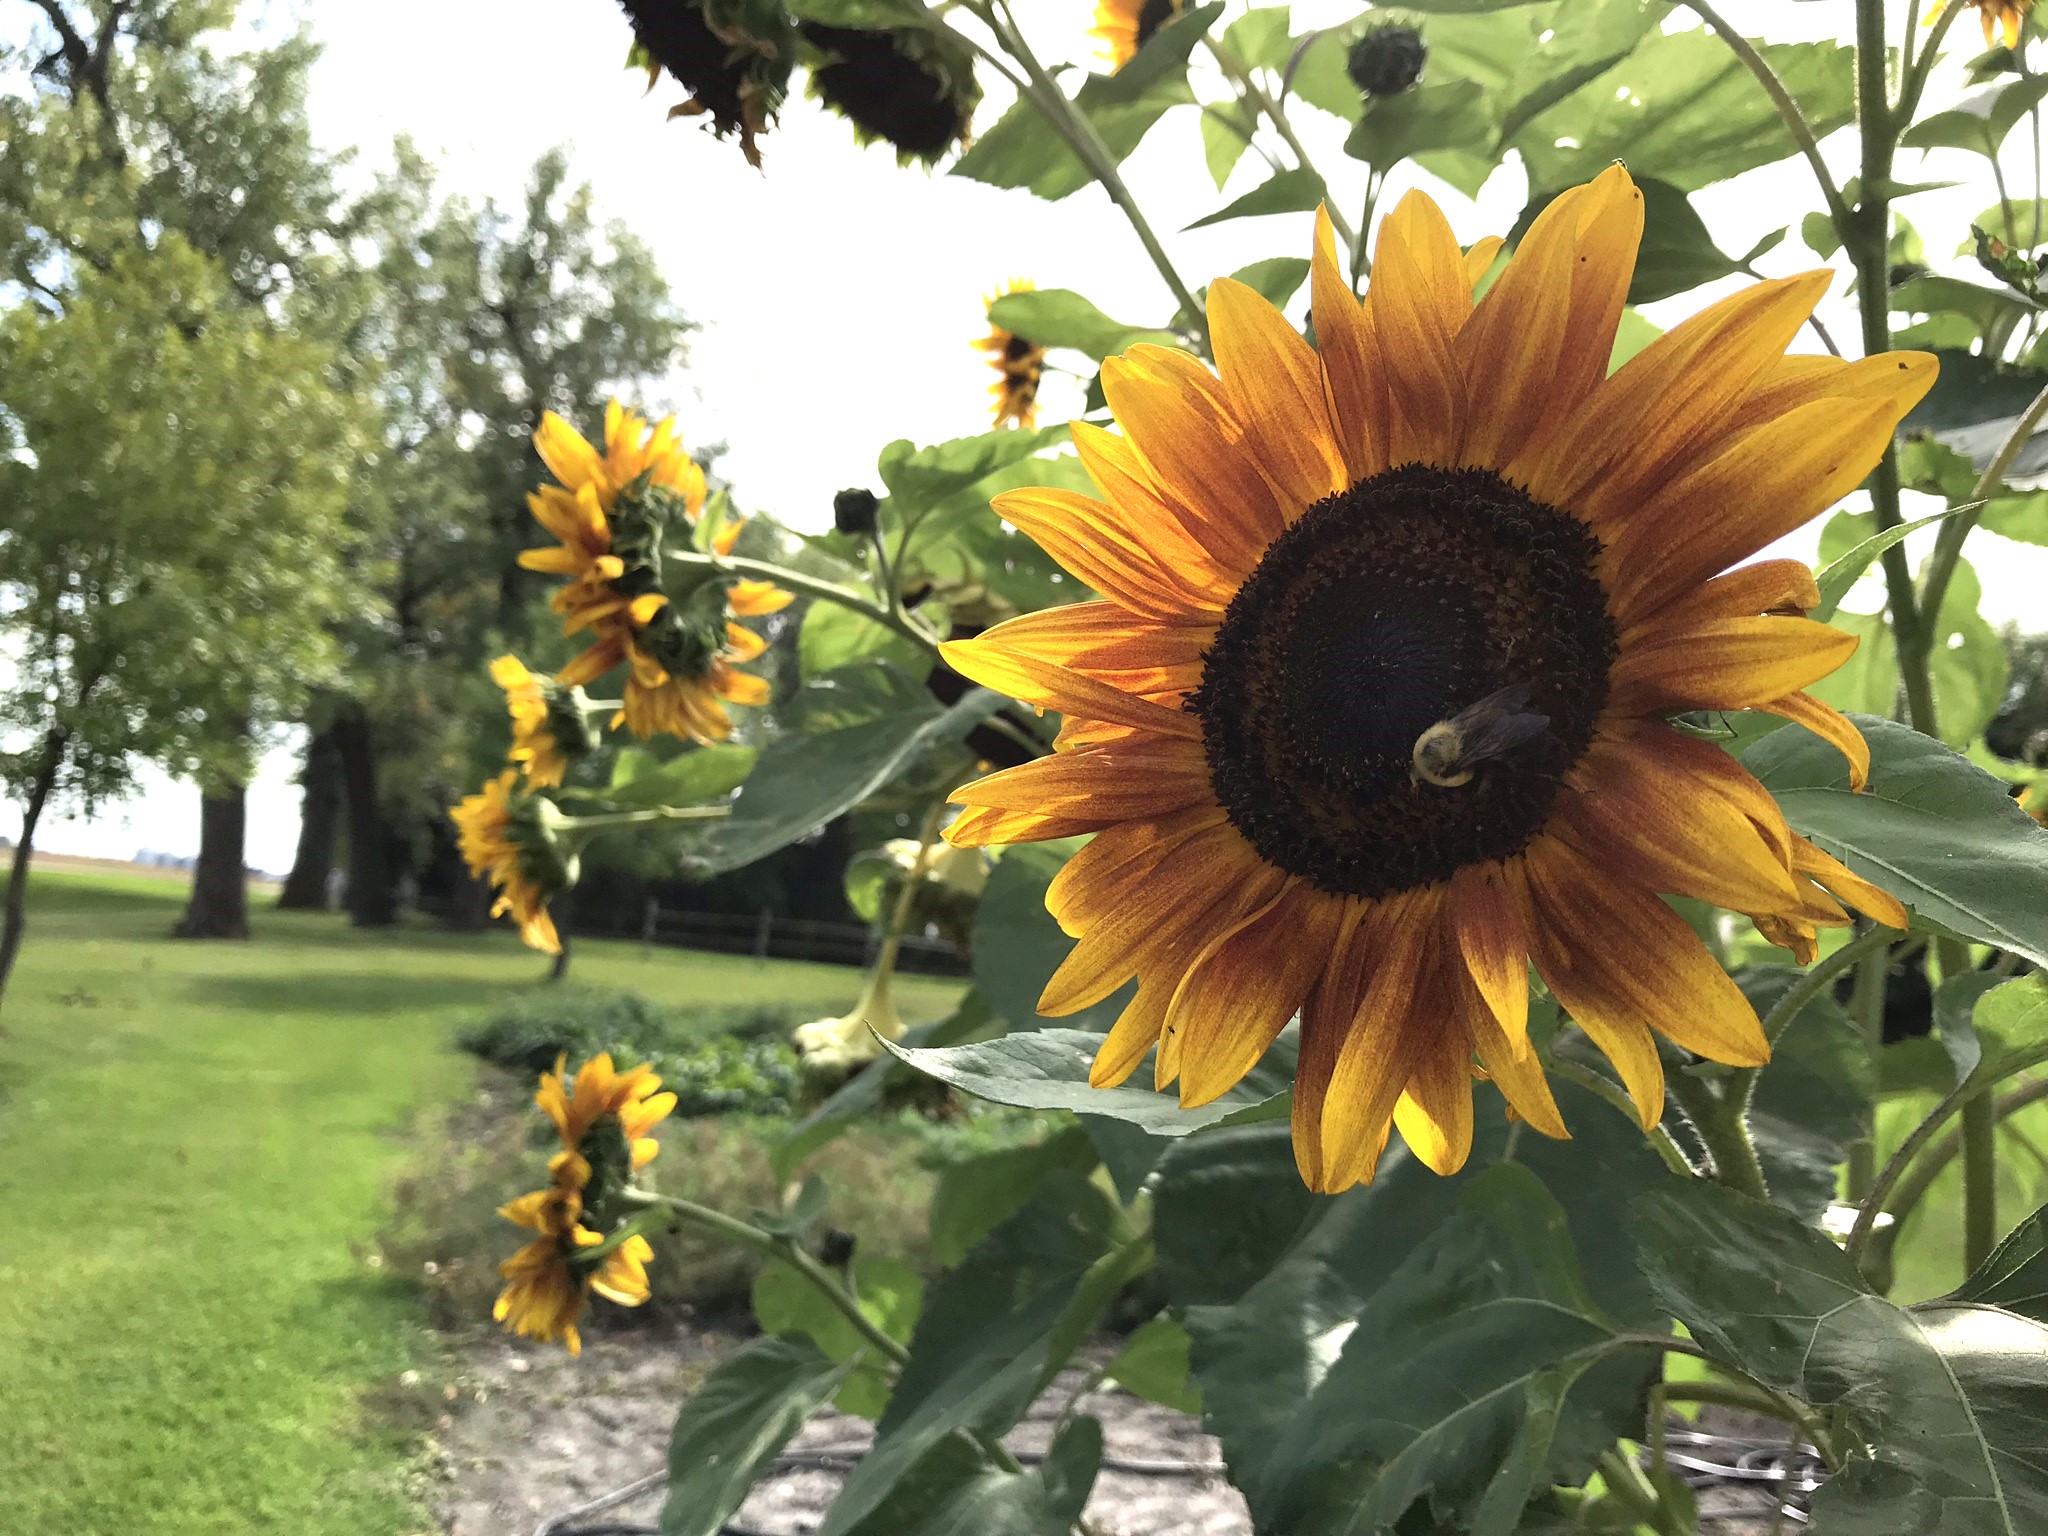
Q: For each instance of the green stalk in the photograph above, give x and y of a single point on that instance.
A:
(1980, 1179)
(1866, 1007)
(1605, 1088)
(815, 587)
(604, 821)
(1722, 1125)
(1262, 101)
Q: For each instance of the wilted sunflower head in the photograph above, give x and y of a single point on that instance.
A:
(605, 1119)
(1019, 366)
(913, 89)
(2003, 20)
(549, 1281)
(1375, 710)
(514, 840)
(733, 56)
(1125, 26)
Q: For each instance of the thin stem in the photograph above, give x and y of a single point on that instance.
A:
(899, 915)
(1948, 539)
(1727, 1394)
(1051, 102)
(1788, 110)
(1605, 1088)
(811, 586)
(1894, 1170)
(1922, 64)
(1262, 100)
(1979, 1130)
(774, 1245)
(1866, 237)
(1912, 1189)
(1741, 1088)
(605, 820)
(1361, 253)
(1866, 1007)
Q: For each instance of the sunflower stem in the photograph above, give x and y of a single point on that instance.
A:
(1912, 1189)
(1948, 539)
(1721, 1121)
(1605, 1088)
(815, 587)
(1788, 110)
(1256, 96)
(1051, 103)
(1872, 941)
(1866, 1007)
(604, 821)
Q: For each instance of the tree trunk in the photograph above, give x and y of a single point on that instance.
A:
(305, 888)
(54, 746)
(219, 907)
(371, 902)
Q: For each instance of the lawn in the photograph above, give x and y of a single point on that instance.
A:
(196, 1140)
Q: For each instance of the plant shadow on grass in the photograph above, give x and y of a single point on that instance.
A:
(338, 991)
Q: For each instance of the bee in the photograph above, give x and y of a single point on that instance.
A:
(1452, 751)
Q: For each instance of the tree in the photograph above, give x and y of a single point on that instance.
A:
(171, 532)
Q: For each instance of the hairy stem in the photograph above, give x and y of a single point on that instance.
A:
(1606, 1088)
(1721, 1121)
(815, 587)
(1948, 539)
(1866, 1007)
(1261, 100)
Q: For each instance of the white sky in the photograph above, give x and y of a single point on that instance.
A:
(837, 294)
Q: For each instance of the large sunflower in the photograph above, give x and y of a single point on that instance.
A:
(611, 512)
(1375, 712)
(548, 1283)
(1125, 26)
(503, 838)
(1019, 366)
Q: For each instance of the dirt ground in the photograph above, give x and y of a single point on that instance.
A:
(536, 1435)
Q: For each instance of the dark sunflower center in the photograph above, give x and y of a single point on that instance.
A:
(1420, 598)
(1017, 349)
(1153, 15)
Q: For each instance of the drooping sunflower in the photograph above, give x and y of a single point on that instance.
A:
(504, 837)
(1374, 712)
(548, 1283)
(1019, 366)
(549, 728)
(604, 1118)
(913, 89)
(2002, 19)
(1125, 26)
(612, 513)
(733, 56)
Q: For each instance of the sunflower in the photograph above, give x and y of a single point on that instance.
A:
(1375, 710)
(733, 56)
(915, 90)
(549, 729)
(2002, 19)
(604, 1118)
(611, 512)
(1019, 365)
(505, 837)
(548, 1283)
(1125, 26)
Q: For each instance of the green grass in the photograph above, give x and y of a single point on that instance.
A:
(196, 1141)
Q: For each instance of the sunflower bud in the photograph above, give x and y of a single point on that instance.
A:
(1387, 60)
(854, 512)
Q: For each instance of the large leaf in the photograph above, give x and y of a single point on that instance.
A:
(978, 1194)
(1976, 403)
(1683, 109)
(2015, 1277)
(954, 1491)
(1448, 1383)
(1060, 317)
(833, 637)
(1296, 190)
(1048, 1069)
(1933, 828)
(994, 1333)
(921, 478)
(734, 1425)
(1153, 1364)
(689, 778)
(1981, 122)
(1018, 945)
(1948, 1396)
(1436, 115)
(1969, 665)
(803, 779)
(1272, 1277)
(1813, 1099)
(1585, 39)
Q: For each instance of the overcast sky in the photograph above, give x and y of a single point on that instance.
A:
(837, 294)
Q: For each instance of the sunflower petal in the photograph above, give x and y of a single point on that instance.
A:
(1354, 382)
(1493, 948)
(1038, 682)
(1723, 664)
(1418, 299)
(1831, 725)
(1088, 538)
(1434, 1114)
(1277, 390)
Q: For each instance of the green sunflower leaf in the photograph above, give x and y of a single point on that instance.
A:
(1813, 1100)
(1018, 945)
(833, 637)
(1437, 115)
(921, 478)
(1296, 190)
(979, 1194)
(1153, 1364)
(1048, 1069)
(1841, 574)
(695, 777)
(1059, 317)
(1983, 120)
(890, 1295)
(993, 1333)
(737, 1423)
(2015, 1277)
(1277, 278)
(953, 1491)
(1945, 1399)
(1932, 828)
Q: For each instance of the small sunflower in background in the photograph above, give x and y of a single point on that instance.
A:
(507, 837)
(1019, 366)
(1125, 26)
(912, 89)
(613, 512)
(2003, 20)
(549, 727)
(1375, 710)
(604, 1121)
